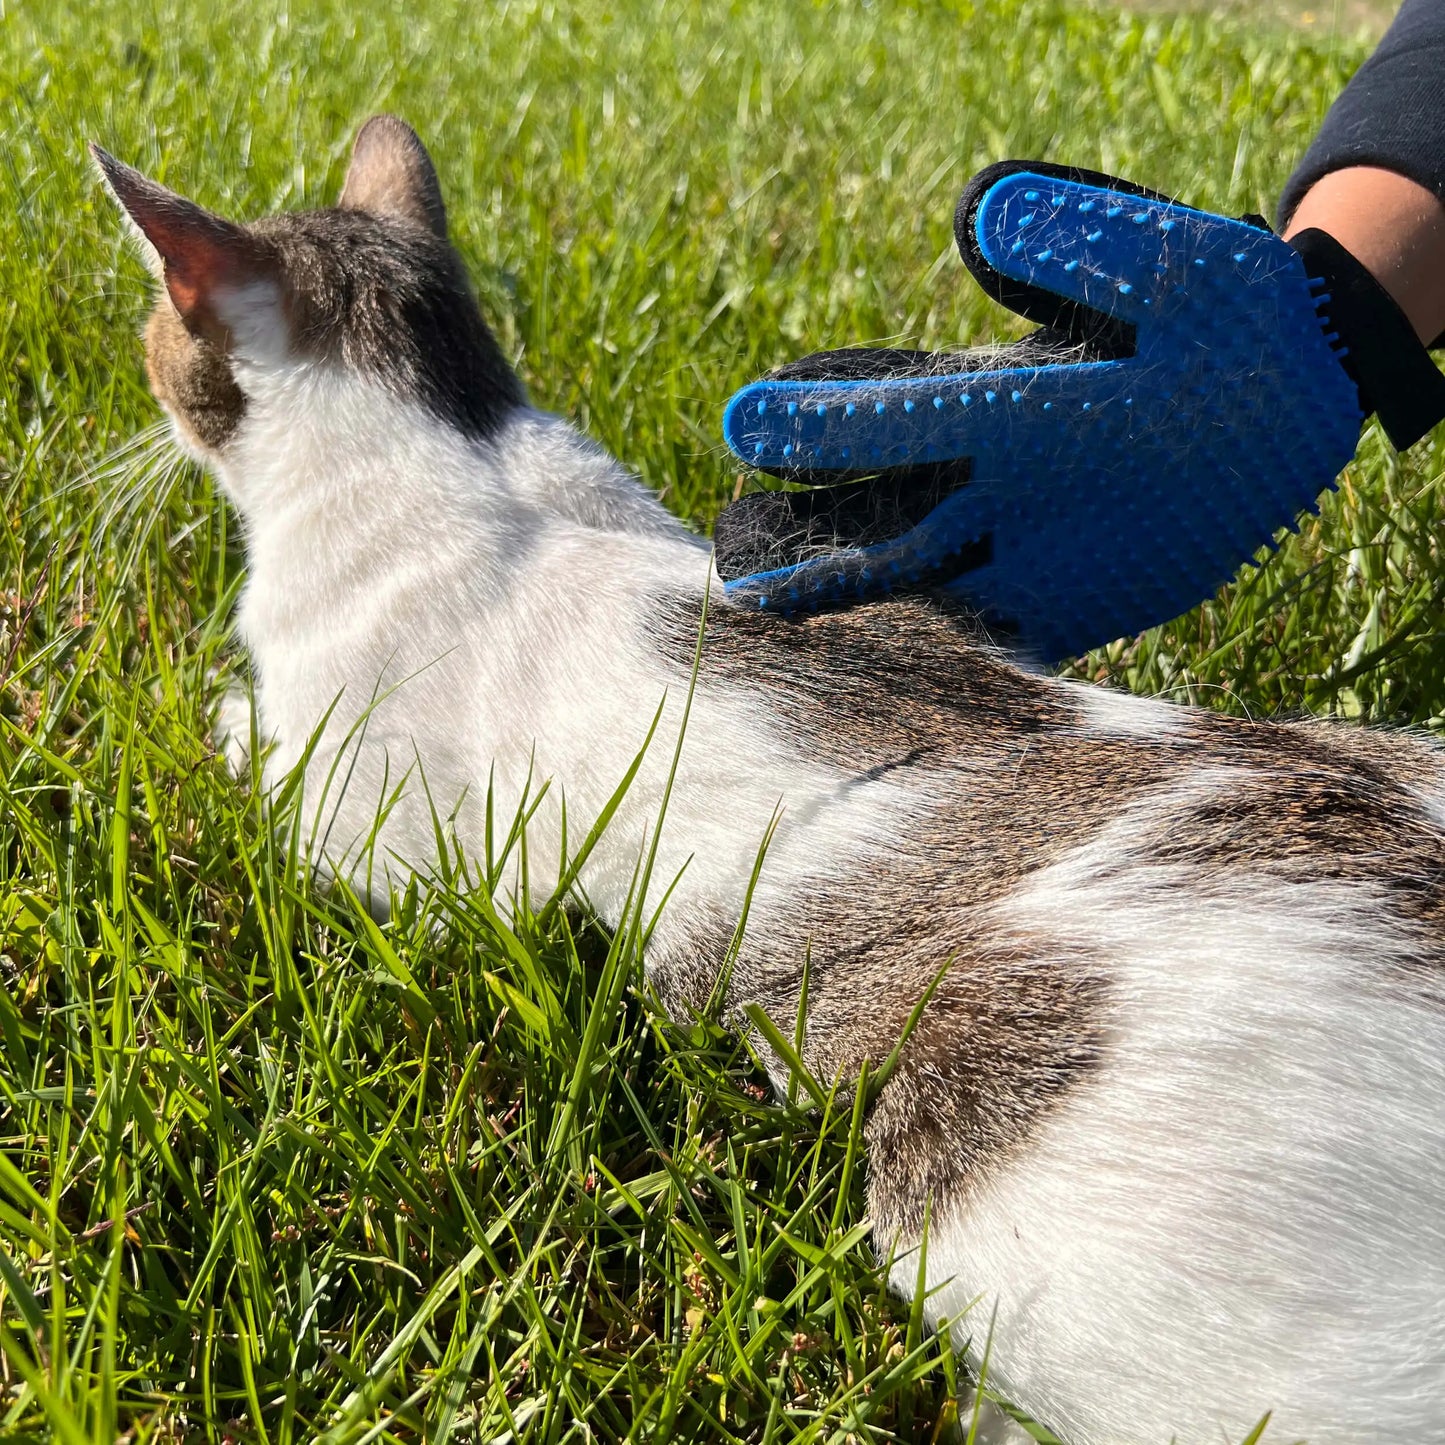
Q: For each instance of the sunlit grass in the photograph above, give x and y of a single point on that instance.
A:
(268, 1171)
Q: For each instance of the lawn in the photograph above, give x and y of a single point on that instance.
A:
(270, 1172)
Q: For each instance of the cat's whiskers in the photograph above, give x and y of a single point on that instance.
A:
(140, 481)
(121, 462)
(117, 460)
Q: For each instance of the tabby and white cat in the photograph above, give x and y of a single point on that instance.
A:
(1178, 1101)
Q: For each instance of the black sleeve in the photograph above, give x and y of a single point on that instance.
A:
(1391, 114)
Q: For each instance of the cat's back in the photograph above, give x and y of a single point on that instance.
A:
(1038, 765)
(1180, 1062)
(1065, 845)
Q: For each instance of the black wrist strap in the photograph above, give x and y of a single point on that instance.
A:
(1392, 371)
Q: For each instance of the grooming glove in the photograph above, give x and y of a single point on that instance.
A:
(1194, 385)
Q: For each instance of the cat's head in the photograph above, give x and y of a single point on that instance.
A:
(371, 286)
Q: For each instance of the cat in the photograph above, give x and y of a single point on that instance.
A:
(1173, 1111)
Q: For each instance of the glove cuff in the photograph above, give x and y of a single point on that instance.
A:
(1392, 371)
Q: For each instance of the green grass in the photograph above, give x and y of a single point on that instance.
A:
(269, 1172)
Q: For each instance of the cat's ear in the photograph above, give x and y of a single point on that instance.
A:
(392, 175)
(205, 261)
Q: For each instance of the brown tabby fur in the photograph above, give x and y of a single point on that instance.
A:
(1024, 779)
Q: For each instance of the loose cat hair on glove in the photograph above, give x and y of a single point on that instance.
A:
(1175, 1107)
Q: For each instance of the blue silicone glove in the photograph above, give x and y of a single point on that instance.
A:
(1196, 383)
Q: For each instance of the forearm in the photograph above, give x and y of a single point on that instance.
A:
(1394, 227)
(1374, 178)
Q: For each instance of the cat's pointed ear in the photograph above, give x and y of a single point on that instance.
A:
(200, 256)
(392, 175)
